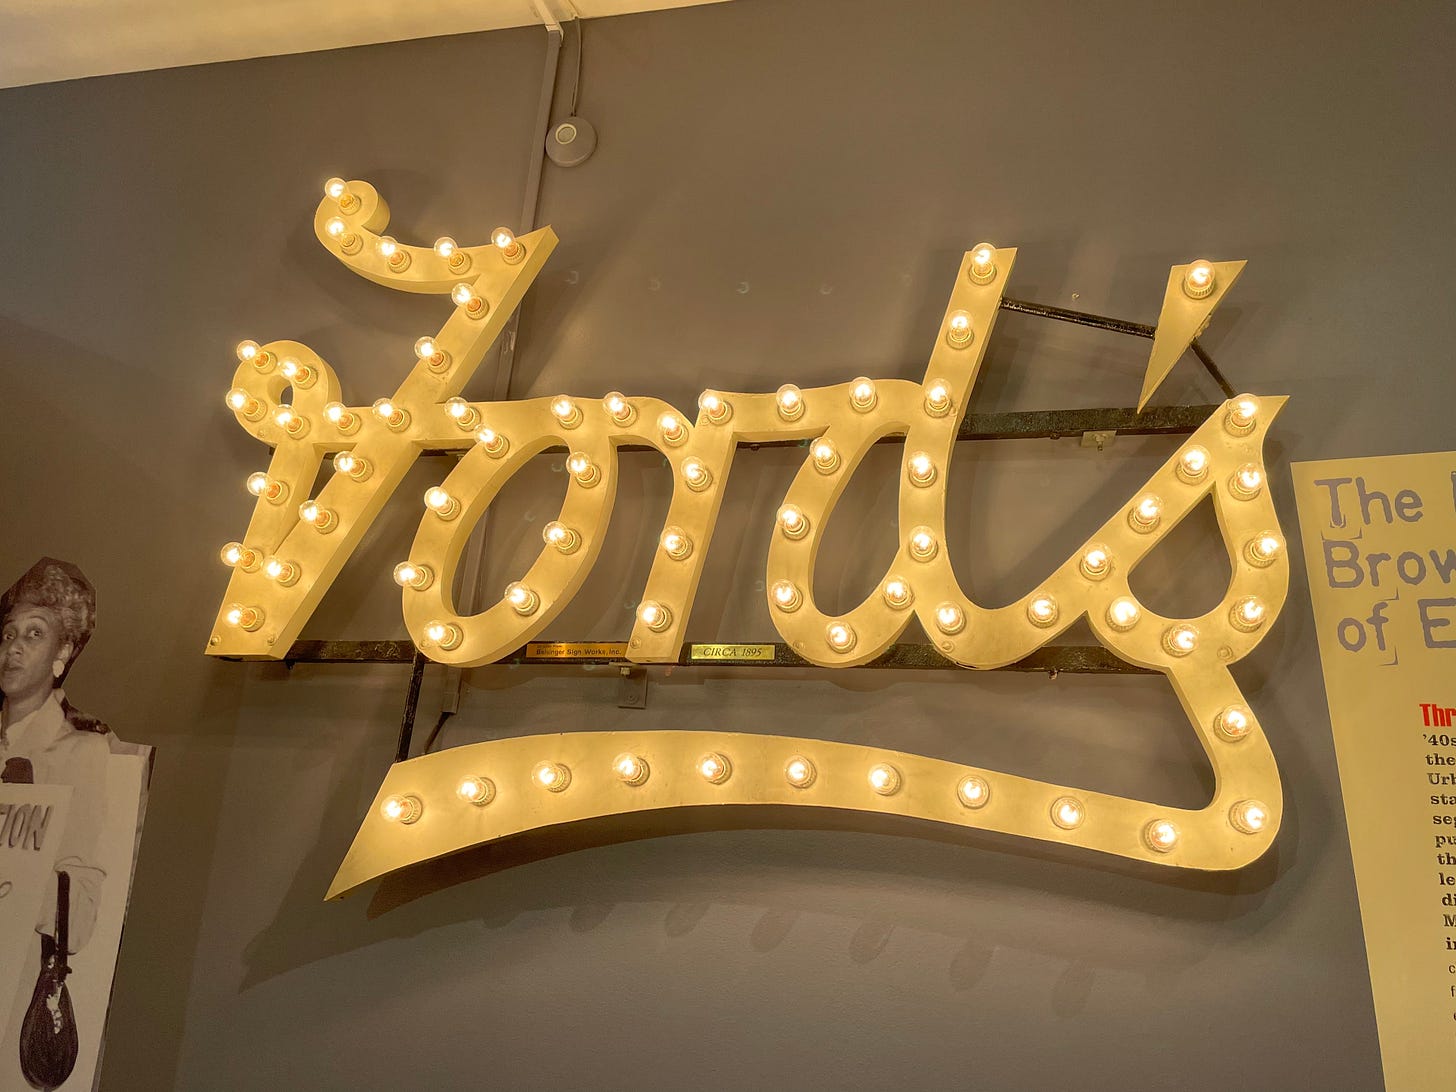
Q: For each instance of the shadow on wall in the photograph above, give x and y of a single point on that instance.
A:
(837, 870)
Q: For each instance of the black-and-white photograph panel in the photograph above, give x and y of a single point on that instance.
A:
(72, 797)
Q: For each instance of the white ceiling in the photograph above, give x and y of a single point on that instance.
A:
(46, 40)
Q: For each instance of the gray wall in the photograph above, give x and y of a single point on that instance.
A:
(781, 193)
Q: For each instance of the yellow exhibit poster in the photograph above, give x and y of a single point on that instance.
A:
(1380, 546)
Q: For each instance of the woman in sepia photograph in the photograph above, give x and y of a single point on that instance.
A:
(46, 618)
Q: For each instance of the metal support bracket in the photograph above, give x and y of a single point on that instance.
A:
(632, 687)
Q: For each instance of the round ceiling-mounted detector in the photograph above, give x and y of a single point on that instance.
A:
(571, 141)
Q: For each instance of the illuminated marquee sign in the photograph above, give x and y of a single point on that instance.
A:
(443, 802)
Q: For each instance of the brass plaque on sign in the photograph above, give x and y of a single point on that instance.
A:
(576, 650)
(731, 652)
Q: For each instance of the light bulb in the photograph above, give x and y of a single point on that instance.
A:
(1160, 835)
(921, 469)
(825, 455)
(714, 407)
(341, 417)
(270, 489)
(567, 413)
(521, 599)
(786, 596)
(429, 351)
(290, 421)
(405, 809)
(1068, 812)
(1249, 816)
(654, 615)
(1233, 723)
(715, 768)
(465, 416)
(551, 776)
(800, 772)
(1248, 614)
(493, 442)
(1146, 514)
(560, 536)
(298, 374)
(897, 593)
(862, 395)
(792, 521)
(982, 268)
(352, 466)
(1199, 281)
(395, 418)
(245, 405)
(479, 791)
(1263, 549)
(923, 546)
(396, 257)
(673, 430)
(1043, 610)
(350, 242)
(973, 792)
(696, 475)
(958, 332)
(471, 301)
(618, 408)
(949, 619)
(938, 401)
(455, 258)
(1096, 562)
(246, 618)
(283, 573)
(840, 635)
(583, 470)
(413, 574)
(675, 543)
(446, 636)
(321, 519)
(338, 190)
(439, 501)
(885, 779)
(237, 556)
(1247, 482)
(789, 401)
(1192, 466)
(631, 769)
(1242, 415)
(1123, 613)
(1180, 639)
(512, 250)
